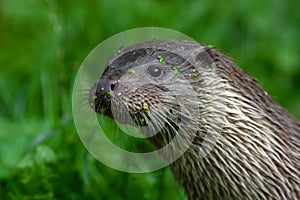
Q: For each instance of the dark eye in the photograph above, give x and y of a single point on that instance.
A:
(155, 71)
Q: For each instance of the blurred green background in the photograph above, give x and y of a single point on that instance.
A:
(43, 43)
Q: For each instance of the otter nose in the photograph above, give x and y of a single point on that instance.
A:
(101, 93)
(106, 85)
(112, 85)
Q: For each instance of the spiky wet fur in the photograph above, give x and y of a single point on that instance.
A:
(257, 155)
(257, 152)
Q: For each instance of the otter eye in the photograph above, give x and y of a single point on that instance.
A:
(155, 71)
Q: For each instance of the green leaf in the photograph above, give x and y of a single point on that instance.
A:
(145, 106)
(176, 70)
(131, 71)
(160, 58)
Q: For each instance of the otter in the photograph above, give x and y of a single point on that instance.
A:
(166, 86)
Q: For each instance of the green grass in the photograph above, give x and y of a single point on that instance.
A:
(42, 45)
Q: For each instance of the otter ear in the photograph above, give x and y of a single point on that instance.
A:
(204, 56)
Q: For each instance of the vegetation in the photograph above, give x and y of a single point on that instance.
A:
(42, 45)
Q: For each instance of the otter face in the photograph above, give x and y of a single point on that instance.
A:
(135, 87)
(153, 88)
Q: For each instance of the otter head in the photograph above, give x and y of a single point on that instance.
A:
(155, 85)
